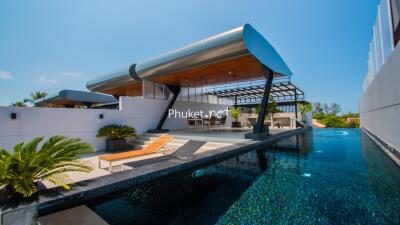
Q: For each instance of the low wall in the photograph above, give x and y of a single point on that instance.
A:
(33, 122)
(380, 103)
(141, 113)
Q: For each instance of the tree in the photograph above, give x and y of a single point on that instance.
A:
(335, 108)
(272, 108)
(18, 104)
(351, 115)
(326, 108)
(31, 162)
(318, 108)
(334, 121)
(305, 108)
(34, 96)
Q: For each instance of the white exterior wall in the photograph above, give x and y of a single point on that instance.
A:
(382, 42)
(380, 103)
(33, 122)
(140, 113)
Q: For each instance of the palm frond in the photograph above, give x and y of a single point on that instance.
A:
(30, 163)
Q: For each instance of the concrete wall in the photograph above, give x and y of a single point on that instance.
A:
(33, 122)
(141, 113)
(380, 103)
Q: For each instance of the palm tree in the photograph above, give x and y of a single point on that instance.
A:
(20, 171)
(34, 96)
(272, 108)
(18, 104)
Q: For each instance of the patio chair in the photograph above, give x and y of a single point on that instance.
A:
(210, 122)
(152, 148)
(221, 122)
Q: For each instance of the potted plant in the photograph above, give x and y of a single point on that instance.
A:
(235, 114)
(32, 162)
(304, 108)
(116, 136)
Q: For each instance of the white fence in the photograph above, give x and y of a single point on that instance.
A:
(382, 42)
(380, 104)
(141, 113)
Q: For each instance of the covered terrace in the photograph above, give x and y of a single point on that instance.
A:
(249, 95)
(240, 54)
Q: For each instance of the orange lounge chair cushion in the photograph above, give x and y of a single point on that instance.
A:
(152, 148)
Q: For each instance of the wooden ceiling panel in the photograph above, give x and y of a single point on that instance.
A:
(128, 90)
(237, 69)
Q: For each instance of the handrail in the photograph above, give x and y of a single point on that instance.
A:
(302, 124)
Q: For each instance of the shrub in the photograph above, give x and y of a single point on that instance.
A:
(332, 120)
(20, 171)
(115, 131)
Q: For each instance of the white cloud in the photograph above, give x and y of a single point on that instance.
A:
(5, 75)
(47, 80)
(72, 74)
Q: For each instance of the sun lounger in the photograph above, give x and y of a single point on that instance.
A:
(185, 150)
(152, 148)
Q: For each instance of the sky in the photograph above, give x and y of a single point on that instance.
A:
(49, 45)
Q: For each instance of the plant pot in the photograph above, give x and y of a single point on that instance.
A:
(114, 145)
(236, 124)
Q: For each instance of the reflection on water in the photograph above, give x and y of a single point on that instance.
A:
(321, 177)
(383, 175)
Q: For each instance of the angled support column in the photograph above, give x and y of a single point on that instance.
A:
(259, 130)
(236, 105)
(175, 91)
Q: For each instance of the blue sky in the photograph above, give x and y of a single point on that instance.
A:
(52, 45)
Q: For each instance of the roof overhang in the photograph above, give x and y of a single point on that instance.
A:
(72, 97)
(118, 83)
(235, 55)
(242, 51)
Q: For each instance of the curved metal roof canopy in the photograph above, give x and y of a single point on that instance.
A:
(119, 83)
(72, 98)
(235, 55)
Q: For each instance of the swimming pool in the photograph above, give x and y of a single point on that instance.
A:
(330, 176)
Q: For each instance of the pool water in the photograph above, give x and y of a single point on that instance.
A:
(329, 176)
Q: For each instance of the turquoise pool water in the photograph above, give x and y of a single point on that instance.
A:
(330, 176)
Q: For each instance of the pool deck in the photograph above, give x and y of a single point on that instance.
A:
(214, 139)
(55, 199)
